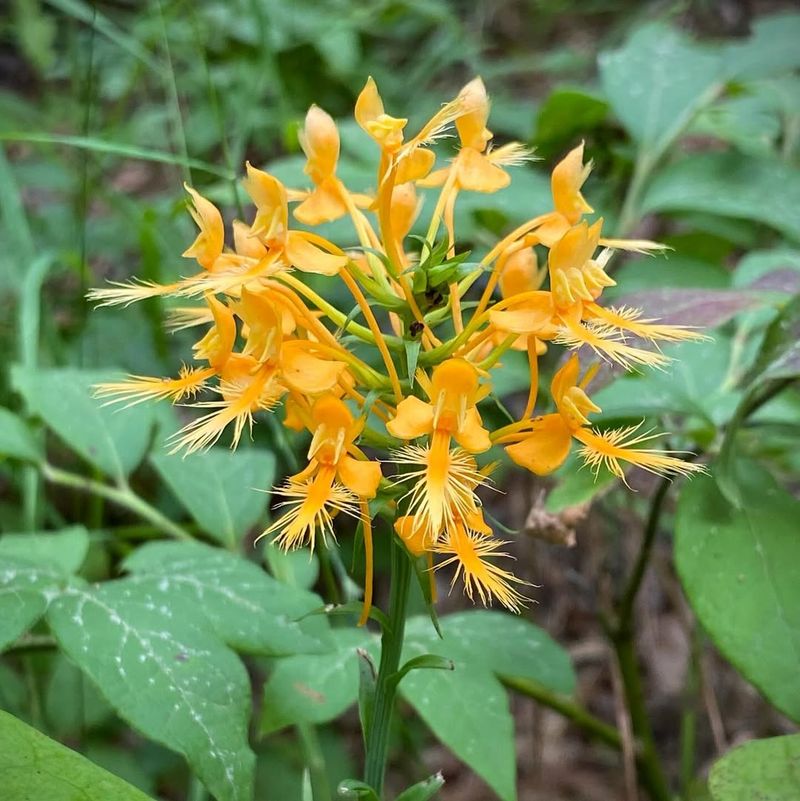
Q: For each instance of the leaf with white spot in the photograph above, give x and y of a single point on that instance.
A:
(34, 767)
(25, 590)
(113, 441)
(161, 665)
(246, 607)
(220, 488)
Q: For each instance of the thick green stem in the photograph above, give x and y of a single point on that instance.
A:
(386, 684)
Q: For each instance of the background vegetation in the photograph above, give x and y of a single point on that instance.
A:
(677, 615)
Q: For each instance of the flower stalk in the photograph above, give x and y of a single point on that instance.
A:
(377, 737)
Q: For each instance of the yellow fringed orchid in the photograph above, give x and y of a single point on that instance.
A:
(542, 445)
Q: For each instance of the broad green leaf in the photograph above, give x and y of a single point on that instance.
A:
(247, 608)
(741, 569)
(16, 439)
(566, 116)
(771, 49)
(656, 82)
(223, 490)
(468, 711)
(778, 359)
(466, 708)
(749, 122)
(72, 703)
(13, 692)
(696, 382)
(758, 266)
(25, 589)
(676, 270)
(315, 689)
(65, 549)
(472, 637)
(33, 767)
(766, 770)
(298, 568)
(763, 189)
(158, 661)
(112, 439)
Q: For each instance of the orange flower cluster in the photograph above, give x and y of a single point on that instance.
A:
(413, 381)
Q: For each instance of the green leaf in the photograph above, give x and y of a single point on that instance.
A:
(356, 790)
(113, 440)
(412, 354)
(423, 662)
(778, 358)
(65, 549)
(479, 730)
(472, 636)
(223, 490)
(740, 569)
(566, 116)
(298, 568)
(72, 704)
(35, 767)
(656, 82)
(246, 608)
(771, 49)
(766, 770)
(467, 709)
(367, 683)
(424, 790)
(160, 664)
(25, 588)
(315, 689)
(576, 484)
(750, 122)
(16, 439)
(696, 383)
(121, 149)
(763, 189)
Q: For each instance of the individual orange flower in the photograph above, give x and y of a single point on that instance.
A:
(337, 475)
(307, 252)
(478, 167)
(468, 544)
(338, 478)
(413, 161)
(445, 478)
(327, 201)
(569, 312)
(543, 444)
